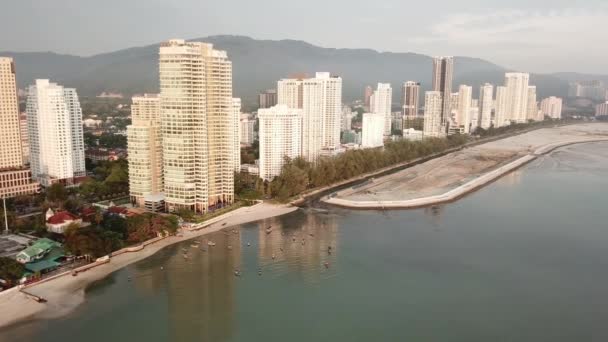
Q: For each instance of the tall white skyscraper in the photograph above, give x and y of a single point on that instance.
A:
(320, 99)
(552, 107)
(280, 137)
(236, 136)
(381, 102)
(197, 126)
(465, 95)
(433, 107)
(501, 109)
(517, 96)
(145, 149)
(532, 106)
(15, 177)
(247, 129)
(486, 94)
(373, 128)
(55, 130)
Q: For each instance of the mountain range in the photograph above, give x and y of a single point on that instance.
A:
(258, 64)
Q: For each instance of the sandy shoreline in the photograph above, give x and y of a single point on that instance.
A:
(65, 293)
(450, 177)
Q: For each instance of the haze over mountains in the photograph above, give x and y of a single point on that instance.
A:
(258, 64)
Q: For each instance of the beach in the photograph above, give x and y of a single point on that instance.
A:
(65, 293)
(451, 176)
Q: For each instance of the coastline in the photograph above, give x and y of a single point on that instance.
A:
(65, 292)
(454, 193)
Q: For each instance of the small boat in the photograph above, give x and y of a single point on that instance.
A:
(194, 245)
(273, 257)
(211, 243)
(185, 256)
(237, 273)
(268, 230)
(184, 250)
(225, 223)
(248, 244)
(326, 264)
(234, 231)
(230, 247)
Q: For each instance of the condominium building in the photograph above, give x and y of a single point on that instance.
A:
(15, 177)
(280, 137)
(367, 96)
(517, 96)
(443, 73)
(532, 106)
(235, 133)
(56, 140)
(25, 139)
(410, 98)
(433, 107)
(144, 143)
(320, 99)
(601, 109)
(486, 94)
(346, 119)
(373, 130)
(552, 107)
(381, 102)
(268, 98)
(196, 125)
(465, 96)
(501, 117)
(247, 130)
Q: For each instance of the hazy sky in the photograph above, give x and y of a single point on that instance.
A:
(529, 35)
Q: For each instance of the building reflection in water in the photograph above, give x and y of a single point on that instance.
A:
(200, 288)
(511, 179)
(304, 244)
(435, 214)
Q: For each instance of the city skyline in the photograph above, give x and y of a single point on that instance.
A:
(507, 28)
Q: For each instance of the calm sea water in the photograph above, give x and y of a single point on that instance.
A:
(524, 259)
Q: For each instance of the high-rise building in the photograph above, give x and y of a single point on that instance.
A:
(25, 139)
(443, 73)
(346, 119)
(433, 107)
(373, 127)
(601, 109)
(247, 130)
(15, 177)
(236, 136)
(320, 99)
(552, 107)
(532, 106)
(267, 99)
(501, 117)
(289, 93)
(196, 125)
(465, 96)
(517, 96)
(411, 98)
(381, 103)
(54, 122)
(595, 90)
(280, 137)
(367, 96)
(486, 94)
(144, 143)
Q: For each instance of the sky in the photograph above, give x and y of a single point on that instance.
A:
(526, 35)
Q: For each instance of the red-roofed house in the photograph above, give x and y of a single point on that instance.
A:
(58, 222)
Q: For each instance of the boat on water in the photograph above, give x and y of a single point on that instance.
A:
(268, 230)
(211, 243)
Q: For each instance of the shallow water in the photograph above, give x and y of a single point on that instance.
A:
(524, 259)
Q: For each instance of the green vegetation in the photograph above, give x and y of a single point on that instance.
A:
(10, 270)
(299, 175)
(115, 232)
(110, 180)
(106, 140)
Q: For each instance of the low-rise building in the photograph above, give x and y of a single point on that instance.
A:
(37, 251)
(60, 221)
(373, 130)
